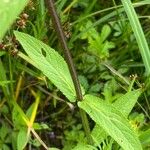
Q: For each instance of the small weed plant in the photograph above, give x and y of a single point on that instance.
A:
(79, 81)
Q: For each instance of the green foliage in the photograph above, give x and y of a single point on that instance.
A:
(84, 146)
(23, 122)
(105, 54)
(53, 149)
(145, 138)
(72, 137)
(3, 78)
(97, 43)
(22, 139)
(98, 134)
(112, 121)
(139, 34)
(17, 119)
(49, 62)
(126, 102)
(137, 121)
(4, 132)
(7, 15)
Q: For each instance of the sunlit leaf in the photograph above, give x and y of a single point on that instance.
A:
(49, 62)
(138, 32)
(126, 102)
(9, 10)
(22, 139)
(112, 121)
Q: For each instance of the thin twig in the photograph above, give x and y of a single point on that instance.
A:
(39, 139)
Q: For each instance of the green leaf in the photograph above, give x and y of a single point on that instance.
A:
(9, 10)
(2, 53)
(40, 126)
(53, 148)
(138, 32)
(19, 116)
(126, 102)
(145, 138)
(106, 30)
(82, 146)
(98, 134)
(112, 121)
(49, 62)
(17, 119)
(4, 131)
(22, 139)
(92, 33)
(5, 147)
(3, 83)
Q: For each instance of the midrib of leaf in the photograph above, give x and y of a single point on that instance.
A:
(137, 29)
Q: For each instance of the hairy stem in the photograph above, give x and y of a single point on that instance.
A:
(68, 58)
(62, 39)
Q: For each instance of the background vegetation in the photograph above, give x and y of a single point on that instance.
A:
(109, 43)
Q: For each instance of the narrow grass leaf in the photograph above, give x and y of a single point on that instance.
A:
(49, 62)
(112, 121)
(34, 111)
(126, 102)
(9, 10)
(4, 78)
(139, 34)
(103, 19)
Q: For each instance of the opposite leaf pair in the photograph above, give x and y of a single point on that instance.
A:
(106, 115)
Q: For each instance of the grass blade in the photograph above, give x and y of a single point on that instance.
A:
(139, 34)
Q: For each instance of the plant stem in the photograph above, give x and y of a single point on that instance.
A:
(86, 127)
(62, 39)
(68, 58)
